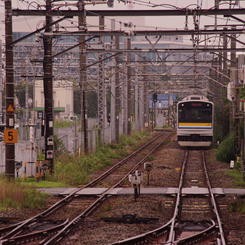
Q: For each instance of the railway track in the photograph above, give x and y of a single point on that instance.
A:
(195, 218)
(15, 234)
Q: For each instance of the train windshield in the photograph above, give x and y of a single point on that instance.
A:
(195, 112)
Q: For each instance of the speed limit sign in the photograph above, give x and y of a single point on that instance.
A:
(10, 136)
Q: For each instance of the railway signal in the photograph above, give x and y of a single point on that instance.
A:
(155, 97)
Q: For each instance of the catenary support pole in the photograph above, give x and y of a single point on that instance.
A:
(48, 89)
(113, 89)
(146, 100)
(136, 94)
(129, 87)
(26, 103)
(83, 77)
(1, 86)
(141, 99)
(102, 114)
(117, 94)
(9, 86)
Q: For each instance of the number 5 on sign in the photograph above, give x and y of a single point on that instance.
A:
(10, 135)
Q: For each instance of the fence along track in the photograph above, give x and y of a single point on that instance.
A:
(9, 232)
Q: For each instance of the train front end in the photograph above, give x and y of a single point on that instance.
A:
(195, 123)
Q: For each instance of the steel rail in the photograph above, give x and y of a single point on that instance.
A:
(171, 238)
(209, 230)
(194, 237)
(163, 229)
(4, 231)
(145, 237)
(65, 200)
(170, 226)
(34, 236)
(15, 229)
(60, 235)
(140, 162)
(95, 181)
(222, 235)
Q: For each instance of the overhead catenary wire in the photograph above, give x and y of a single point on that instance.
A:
(52, 10)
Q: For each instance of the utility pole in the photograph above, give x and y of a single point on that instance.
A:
(101, 91)
(124, 100)
(27, 96)
(117, 94)
(48, 90)
(241, 114)
(136, 93)
(113, 89)
(214, 75)
(9, 86)
(128, 77)
(83, 77)
(1, 85)
(146, 100)
(237, 96)
(225, 70)
(141, 100)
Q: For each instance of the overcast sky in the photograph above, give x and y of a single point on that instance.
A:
(167, 22)
(150, 22)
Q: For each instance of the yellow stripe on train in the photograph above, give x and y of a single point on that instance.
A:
(190, 125)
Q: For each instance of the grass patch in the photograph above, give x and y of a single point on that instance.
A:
(101, 214)
(107, 208)
(32, 182)
(236, 175)
(19, 195)
(227, 149)
(151, 158)
(159, 207)
(237, 207)
(134, 148)
(76, 170)
(166, 142)
(65, 123)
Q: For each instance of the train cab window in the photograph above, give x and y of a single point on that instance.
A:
(195, 112)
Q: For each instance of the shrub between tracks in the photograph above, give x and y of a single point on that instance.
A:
(16, 194)
(227, 149)
(75, 170)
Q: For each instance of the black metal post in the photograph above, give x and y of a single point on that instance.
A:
(135, 192)
(48, 89)
(9, 85)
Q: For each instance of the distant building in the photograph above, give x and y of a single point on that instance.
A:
(62, 96)
(163, 101)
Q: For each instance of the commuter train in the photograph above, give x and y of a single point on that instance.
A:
(195, 115)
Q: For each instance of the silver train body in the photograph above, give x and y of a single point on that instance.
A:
(195, 115)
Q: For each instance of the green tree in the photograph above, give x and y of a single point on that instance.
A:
(77, 99)
(222, 118)
(92, 104)
(20, 92)
(91, 99)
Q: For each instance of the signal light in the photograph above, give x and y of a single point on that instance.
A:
(155, 97)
